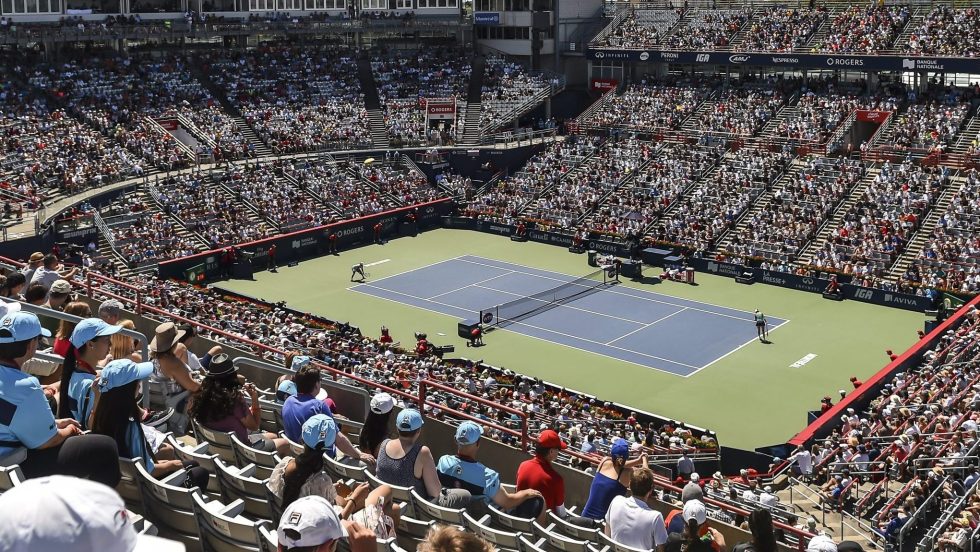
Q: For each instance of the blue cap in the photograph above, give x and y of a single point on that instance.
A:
(20, 326)
(468, 433)
(320, 430)
(286, 389)
(409, 420)
(620, 448)
(120, 372)
(89, 329)
(299, 362)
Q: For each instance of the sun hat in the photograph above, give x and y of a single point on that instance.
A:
(694, 509)
(167, 335)
(319, 430)
(123, 371)
(468, 433)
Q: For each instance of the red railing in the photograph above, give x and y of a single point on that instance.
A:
(424, 386)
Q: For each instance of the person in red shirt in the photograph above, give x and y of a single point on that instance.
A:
(856, 382)
(385, 336)
(539, 474)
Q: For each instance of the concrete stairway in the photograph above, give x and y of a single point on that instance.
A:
(252, 214)
(762, 202)
(967, 136)
(378, 129)
(261, 149)
(470, 124)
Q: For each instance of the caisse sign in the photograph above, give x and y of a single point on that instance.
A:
(868, 116)
(603, 85)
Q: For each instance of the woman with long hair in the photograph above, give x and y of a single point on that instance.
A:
(123, 346)
(173, 374)
(13, 286)
(763, 537)
(61, 337)
(612, 478)
(294, 478)
(221, 406)
(118, 414)
(88, 346)
(375, 430)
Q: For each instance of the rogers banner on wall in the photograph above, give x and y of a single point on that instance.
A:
(440, 108)
(868, 116)
(603, 85)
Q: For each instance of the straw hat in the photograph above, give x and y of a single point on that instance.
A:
(167, 335)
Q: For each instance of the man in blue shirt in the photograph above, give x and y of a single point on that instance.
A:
(27, 425)
(304, 405)
(470, 484)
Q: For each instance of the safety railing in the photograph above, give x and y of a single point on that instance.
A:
(106, 233)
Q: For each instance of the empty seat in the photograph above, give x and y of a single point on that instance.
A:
(270, 415)
(572, 530)
(503, 519)
(10, 477)
(506, 540)
(241, 484)
(201, 453)
(223, 529)
(426, 509)
(532, 545)
(557, 541)
(168, 504)
(264, 462)
(128, 487)
(341, 472)
(607, 541)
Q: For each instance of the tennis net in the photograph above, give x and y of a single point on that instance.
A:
(518, 309)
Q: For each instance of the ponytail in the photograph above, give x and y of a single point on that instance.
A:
(691, 534)
(67, 371)
(308, 463)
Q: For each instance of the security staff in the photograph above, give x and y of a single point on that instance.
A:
(53, 447)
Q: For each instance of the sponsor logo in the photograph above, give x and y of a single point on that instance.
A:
(669, 56)
(604, 247)
(739, 58)
(808, 281)
(304, 242)
(429, 210)
(712, 267)
(933, 64)
(619, 55)
(776, 59)
(846, 62)
(353, 231)
(702, 58)
(499, 229)
(864, 294)
(644, 56)
(79, 233)
(900, 300)
(600, 55)
(908, 64)
(770, 278)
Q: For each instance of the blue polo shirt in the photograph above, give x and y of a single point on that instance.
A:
(25, 415)
(462, 473)
(81, 395)
(296, 410)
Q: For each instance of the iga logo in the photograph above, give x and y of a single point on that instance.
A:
(644, 56)
(739, 58)
(864, 294)
(702, 58)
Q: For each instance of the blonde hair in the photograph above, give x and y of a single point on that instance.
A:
(444, 538)
(77, 308)
(121, 346)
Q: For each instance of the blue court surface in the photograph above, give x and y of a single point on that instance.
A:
(657, 331)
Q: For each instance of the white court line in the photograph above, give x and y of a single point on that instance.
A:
(474, 284)
(645, 326)
(545, 330)
(412, 270)
(747, 318)
(376, 263)
(735, 350)
(565, 305)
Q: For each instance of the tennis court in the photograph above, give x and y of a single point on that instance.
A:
(674, 335)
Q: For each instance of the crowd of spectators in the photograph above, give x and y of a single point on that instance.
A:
(878, 226)
(707, 29)
(645, 107)
(783, 227)
(633, 207)
(930, 126)
(579, 193)
(699, 218)
(296, 99)
(742, 111)
(506, 198)
(643, 28)
(402, 182)
(781, 29)
(338, 188)
(507, 89)
(864, 29)
(150, 236)
(946, 31)
(287, 207)
(817, 116)
(947, 260)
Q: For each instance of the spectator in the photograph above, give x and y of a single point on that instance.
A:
(34, 262)
(821, 543)
(375, 429)
(122, 346)
(763, 538)
(470, 484)
(54, 446)
(295, 478)
(539, 474)
(692, 491)
(221, 407)
(697, 535)
(685, 466)
(110, 311)
(118, 415)
(13, 286)
(311, 525)
(66, 327)
(50, 271)
(89, 348)
(407, 463)
(447, 538)
(611, 479)
(58, 294)
(631, 520)
(173, 375)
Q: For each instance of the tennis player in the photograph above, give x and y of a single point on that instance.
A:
(761, 325)
(357, 270)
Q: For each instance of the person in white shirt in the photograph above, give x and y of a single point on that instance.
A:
(804, 461)
(631, 520)
(767, 498)
(49, 272)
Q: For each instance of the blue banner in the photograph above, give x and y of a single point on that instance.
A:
(486, 18)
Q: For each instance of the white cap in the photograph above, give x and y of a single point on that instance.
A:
(695, 476)
(821, 543)
(58, 513)
(309, 521)
(694, 509)
(382, 403)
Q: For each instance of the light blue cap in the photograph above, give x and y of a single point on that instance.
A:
(320, 429)
(299, 362)
(120, 372)
(89, 329)
(409, 420)
(468, 433)
(286, 389)
(20, 326)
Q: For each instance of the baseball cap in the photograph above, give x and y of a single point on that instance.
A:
(695, 477)
(120, 372)
(468, 433)
(20, 326)
(409, 420)
(694, 509)
(90, 328)
(299, 362)
(382, 403)
(66, 513)
(821, 543)
(549, 439)
(620, 448)
(319, 430)
(309, 521)
(286, 389)
(61, 287)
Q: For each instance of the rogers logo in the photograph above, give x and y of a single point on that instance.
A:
(738, 58)
(851, 62)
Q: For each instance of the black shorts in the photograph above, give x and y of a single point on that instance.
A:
(760, 324)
